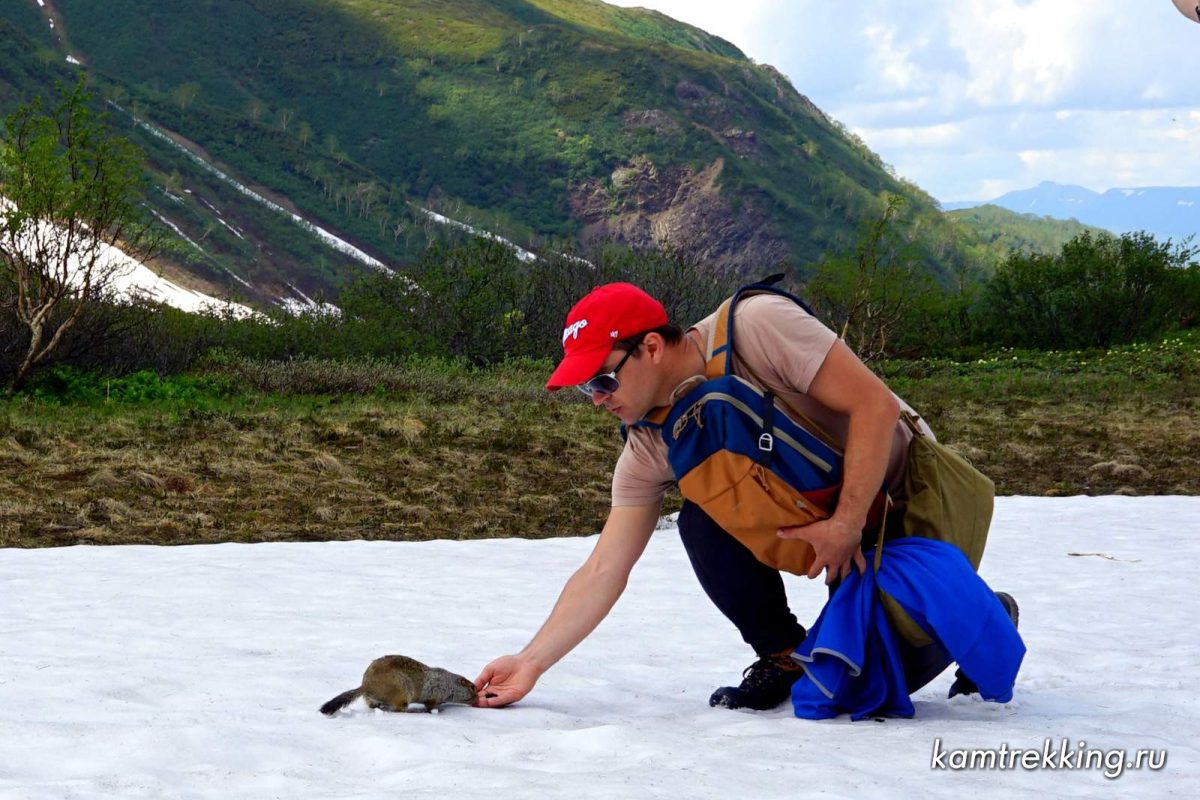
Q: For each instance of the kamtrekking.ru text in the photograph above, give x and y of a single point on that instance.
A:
(1049, 757)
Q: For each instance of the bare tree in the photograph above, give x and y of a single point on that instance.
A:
(865, 296)
(69, 195)
(185, 94)
(255, 109)
(304, 133)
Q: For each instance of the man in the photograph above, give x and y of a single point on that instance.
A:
(620, 349)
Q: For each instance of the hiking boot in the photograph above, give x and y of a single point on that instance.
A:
(1010, 605)
(765, 684)
(964, 685)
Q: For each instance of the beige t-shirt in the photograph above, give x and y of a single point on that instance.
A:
(784, 346)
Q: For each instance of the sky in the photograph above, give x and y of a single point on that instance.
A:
(974, 98)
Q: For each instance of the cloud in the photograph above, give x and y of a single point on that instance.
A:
(893, 66)
(1018, 54)
(1098, 149)
(963, 96)
(929, 136)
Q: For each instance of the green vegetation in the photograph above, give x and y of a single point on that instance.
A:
(28, 65)
(865, 296)
(228, 232)
(1000, 231)
(476, 302)
(456, 458)
(479, 303)
(311, 450)
(68, 386)
(1100, 290)
(71, 191)
(496, 113)
(377, 424)
(1124, 420)
(417, 411)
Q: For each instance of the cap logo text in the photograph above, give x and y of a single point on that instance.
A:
(572, 330)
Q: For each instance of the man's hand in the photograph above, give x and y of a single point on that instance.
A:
(505, 681)
(585, 600)
(836, 545)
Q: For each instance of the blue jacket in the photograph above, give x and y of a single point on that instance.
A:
(850, 657)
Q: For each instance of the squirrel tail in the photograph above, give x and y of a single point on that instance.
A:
(341, 701)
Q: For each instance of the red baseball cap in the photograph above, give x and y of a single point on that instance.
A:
(605, 316)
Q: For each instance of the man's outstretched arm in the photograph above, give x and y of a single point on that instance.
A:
(585, 600)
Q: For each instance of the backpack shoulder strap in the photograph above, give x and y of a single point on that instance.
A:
(720, 337)
(655, 418)
(721, 353)
(717, 358)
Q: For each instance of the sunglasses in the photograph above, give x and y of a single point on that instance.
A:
(606, 383)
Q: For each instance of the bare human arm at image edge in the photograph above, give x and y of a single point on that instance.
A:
(588, 596)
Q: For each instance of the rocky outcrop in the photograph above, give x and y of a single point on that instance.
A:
(742, 142)
(642, 206)
(652, 118)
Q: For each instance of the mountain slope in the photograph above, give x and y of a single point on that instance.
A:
(539, 120)
(221, 240)
(999, 231)
(519, 113)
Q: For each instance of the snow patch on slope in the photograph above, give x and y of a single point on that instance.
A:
(522, 254)
(330, 239)
(132, 278)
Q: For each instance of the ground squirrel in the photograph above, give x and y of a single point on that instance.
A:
(395, 682)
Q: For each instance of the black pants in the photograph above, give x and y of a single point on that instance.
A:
(751, 595)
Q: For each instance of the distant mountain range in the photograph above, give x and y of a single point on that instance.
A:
(1165, 211)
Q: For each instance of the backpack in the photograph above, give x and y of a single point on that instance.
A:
(755, 464)
(738, 452)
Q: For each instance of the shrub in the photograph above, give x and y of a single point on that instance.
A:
(1099, 291)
